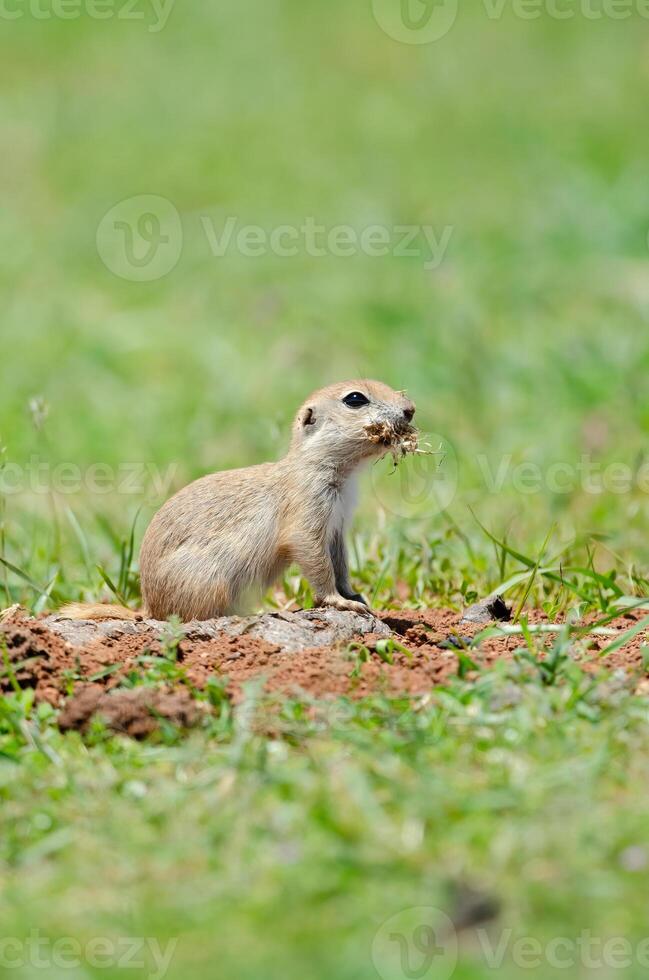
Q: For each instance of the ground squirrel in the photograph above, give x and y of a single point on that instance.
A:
(224, 539)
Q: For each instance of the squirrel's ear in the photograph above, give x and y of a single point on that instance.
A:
(303, 425)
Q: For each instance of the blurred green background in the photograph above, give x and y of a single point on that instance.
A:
(527, 139)
(281, 854)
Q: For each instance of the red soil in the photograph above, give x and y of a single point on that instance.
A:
(42, 660)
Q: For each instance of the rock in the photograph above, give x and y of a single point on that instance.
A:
(292, 631)
(493, 608)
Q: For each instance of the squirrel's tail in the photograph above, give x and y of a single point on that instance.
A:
(97, 610)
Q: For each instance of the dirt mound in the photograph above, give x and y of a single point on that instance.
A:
(137, 712)
(37, 658)
(321, 652)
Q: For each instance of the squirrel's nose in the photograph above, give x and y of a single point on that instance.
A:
(409, 412)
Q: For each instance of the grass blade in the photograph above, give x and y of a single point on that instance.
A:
(24, 576)
(81, 538)
(629, 634)
(111, 585)
(533, 574)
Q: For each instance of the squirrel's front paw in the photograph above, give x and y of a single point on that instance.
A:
(349, 605)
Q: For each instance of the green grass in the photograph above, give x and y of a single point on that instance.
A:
(280, 850)
(284, 856)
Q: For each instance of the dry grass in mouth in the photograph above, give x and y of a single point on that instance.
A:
(401, 440)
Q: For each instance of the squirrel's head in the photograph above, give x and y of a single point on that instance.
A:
(353, 421)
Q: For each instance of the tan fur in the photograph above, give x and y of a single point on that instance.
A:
(10, 612)
(224, 539)
(97, 610)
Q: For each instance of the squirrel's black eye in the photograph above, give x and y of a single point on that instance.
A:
(355, 399)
